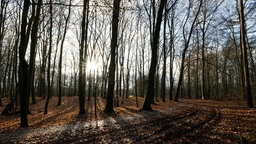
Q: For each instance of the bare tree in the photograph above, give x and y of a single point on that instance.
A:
(61, 53)
(23, 67)
(248, 93)
(111, 77)
(163, 81)
(82, 57)
(152, 70)
(49, 88)
(186, 45)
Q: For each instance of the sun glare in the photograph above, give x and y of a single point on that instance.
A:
(92, 66)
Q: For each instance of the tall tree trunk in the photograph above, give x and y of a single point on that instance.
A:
(42, 84)
(49, 87)
(136, 70)
(23, 67)
(197, 65)
(156, 85)
(89, 85)
(171, 28)
(117, 80)
(183, 57)
(189, 81)
(164, 64)
(3, 11)
(217, 73)
(82, 59)
(248, 93)
(112, 66)
(203, 61)
(152, 70)
(61, 52)
(33, 50)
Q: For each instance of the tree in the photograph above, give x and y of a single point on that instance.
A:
(23, 67)
(111, 77)
(33, 47)
(208, 10)
(248, 93)
(163, 81)
(82, 58)
(49, 88)
(153, 64)
(3, 12)
(61, 53)
(171, 50)
(186, 46)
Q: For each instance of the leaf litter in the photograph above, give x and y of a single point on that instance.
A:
(187, 121)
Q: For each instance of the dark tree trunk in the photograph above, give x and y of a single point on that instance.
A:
(111, 77)
(117, 82)
(152, 70)
(61, 52)
(33, 47)
(49, 88)
(171, 28)
(33, 96)
(164, 64)
(89, 86)
(23, 67)
(197, 64)
(156, 85)
(248, 93)
(82, 59)
(183, 57)
(42, 83)
(189, 81)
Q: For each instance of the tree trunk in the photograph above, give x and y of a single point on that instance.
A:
(49, 87)
(152, 70)
(23, 67)
(82, 59)
(111, 77)
(61, 52)
(203, 61)
(248, 93)
(42, 83)
(189, 82)
(183, 57)
(117, 80)
(164, 64)
(171, 28)
(33, 50)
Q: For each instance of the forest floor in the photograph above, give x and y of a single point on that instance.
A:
(187, 121)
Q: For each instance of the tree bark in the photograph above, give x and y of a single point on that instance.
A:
(23, 67)
(112, 66)
(248, 93)
(171, 30)
(61, 52)
(164, 64)
(82, 60)
(33, 48)
(49, 87)
(185, 51)
(152, 70)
